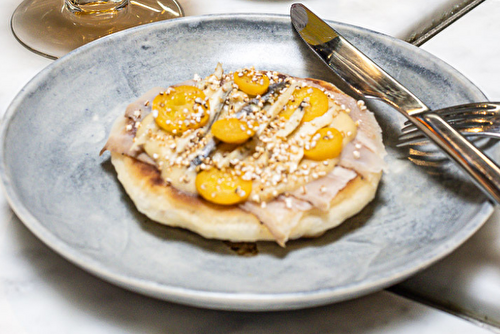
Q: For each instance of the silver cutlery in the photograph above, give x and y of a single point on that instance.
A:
(425, 154)
(479, 122)
(480, 119)
(371, 81)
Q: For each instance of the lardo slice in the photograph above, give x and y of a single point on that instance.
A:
(248, 155)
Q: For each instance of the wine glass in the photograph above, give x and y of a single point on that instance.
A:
(52, 28)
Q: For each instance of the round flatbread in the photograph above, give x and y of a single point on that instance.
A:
(164, 204)
(321, 205)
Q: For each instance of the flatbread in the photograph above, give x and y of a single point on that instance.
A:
(163, 203)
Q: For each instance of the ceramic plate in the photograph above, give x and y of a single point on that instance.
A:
(70, 198)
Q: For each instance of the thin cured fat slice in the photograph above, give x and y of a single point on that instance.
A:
(282, 191)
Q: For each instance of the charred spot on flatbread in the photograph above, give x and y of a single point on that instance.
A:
(286, 217)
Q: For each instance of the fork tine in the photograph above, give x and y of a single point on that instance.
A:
(413, 142)
(426, 163)
(430, 155)
(410, 137)
(467, 111)
(490, 131)
(459, 119)
(408, 128)
(477, 107)
(432, 159)
(481, 107)
(409, 131)
(479, 122)
(416, 138)
(457, 123)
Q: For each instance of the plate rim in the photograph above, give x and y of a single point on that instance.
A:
(222, 300)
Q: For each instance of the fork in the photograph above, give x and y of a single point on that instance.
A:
(480, 119)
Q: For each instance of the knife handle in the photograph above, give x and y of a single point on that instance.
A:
(484, 172)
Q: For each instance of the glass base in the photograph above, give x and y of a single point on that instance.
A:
(49, 28)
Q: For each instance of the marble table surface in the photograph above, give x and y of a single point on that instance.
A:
(469, 279)
(40, 292)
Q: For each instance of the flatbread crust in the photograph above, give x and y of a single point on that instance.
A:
(164, 204)
(167, 205)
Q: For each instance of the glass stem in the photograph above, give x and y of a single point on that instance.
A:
(95, 7)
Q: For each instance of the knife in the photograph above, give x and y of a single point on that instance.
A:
(371, 81)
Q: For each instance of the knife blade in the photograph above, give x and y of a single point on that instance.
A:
(371, 81)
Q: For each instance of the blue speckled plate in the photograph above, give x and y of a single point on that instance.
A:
(70, 198)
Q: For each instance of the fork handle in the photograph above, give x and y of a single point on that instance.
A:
(484, 172)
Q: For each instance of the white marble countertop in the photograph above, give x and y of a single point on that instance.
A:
(40, 292)
(469, 279)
